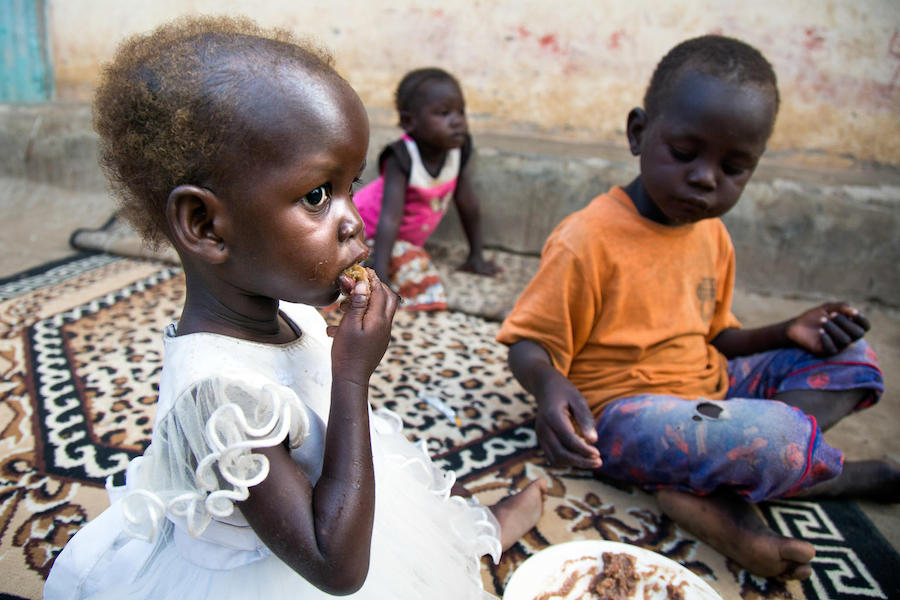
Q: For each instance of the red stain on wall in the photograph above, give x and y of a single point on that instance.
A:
(549, 42)
(615, 39)
(812, 39)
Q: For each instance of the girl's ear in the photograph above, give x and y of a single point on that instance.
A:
(194, 214)
(637, 124)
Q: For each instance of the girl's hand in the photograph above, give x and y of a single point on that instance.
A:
(479, 266)
(827, 329)
(365, 330)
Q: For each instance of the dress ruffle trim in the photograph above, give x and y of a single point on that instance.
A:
(472, 523)
(236, 422)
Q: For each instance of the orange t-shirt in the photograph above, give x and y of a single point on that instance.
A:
(625, 306)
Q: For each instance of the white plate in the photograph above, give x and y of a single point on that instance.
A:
(548, 569)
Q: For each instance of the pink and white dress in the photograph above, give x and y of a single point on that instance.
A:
(427, 199)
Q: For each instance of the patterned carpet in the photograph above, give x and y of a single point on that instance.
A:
(80, 357)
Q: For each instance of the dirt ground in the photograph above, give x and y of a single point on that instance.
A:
(37, 220)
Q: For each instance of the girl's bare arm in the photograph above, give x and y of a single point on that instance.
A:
(391, 215)
(324, 531)
(470, 216)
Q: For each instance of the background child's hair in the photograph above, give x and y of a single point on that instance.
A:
(412, 83)
(716, 55)
(168, 108)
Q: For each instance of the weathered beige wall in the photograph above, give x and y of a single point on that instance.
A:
(568, 69)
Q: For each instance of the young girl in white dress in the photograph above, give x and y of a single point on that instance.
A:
(268, 475)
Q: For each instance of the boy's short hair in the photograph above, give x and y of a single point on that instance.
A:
(413, 82)
(168, 108)
(716, 55)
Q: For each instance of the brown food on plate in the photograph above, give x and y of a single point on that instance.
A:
(618, 579)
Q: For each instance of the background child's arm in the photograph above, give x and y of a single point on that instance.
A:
(324, 532)
(824, 330)
(560, 407)
(391, 215)
(470, 216)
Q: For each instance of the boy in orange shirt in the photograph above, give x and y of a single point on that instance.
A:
(626, 339)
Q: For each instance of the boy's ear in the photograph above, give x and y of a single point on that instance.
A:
(406, 121)
(637, 125)
(193, 214)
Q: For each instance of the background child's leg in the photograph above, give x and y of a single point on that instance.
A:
(415, 278)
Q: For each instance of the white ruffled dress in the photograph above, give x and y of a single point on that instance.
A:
(172, 530)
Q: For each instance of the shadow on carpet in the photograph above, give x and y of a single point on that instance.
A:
(81, 355)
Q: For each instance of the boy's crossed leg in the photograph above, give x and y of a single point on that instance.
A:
(733, 527)
(877, 480)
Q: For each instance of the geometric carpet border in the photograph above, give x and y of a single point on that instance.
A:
(52, 273)
(66, 446)
(846, 557)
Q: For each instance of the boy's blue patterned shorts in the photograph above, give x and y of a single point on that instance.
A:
(759, 447)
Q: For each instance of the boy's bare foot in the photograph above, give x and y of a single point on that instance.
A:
(877, 480)
(520, 512)
(732, 526)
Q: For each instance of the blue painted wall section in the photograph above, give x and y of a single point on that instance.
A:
(25, 73)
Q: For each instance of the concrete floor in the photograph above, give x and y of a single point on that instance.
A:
(37, 220)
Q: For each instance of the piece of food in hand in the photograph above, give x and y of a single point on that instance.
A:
(358, 273)
(576, 427)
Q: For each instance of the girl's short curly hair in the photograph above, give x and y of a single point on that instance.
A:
(170, 107)
(719, 56)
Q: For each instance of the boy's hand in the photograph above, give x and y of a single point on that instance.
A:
(479, 266)
(827, 329)
(565, 426)
(365, 330)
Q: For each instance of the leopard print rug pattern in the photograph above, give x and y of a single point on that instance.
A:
(80, 353)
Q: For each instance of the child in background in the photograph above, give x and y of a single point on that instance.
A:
(268, 475)
(625, 336)
(419, 173)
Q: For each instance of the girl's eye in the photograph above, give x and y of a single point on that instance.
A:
(318, 196)
(681, 155)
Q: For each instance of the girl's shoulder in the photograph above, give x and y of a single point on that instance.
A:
(399, 150)
(213, 361)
